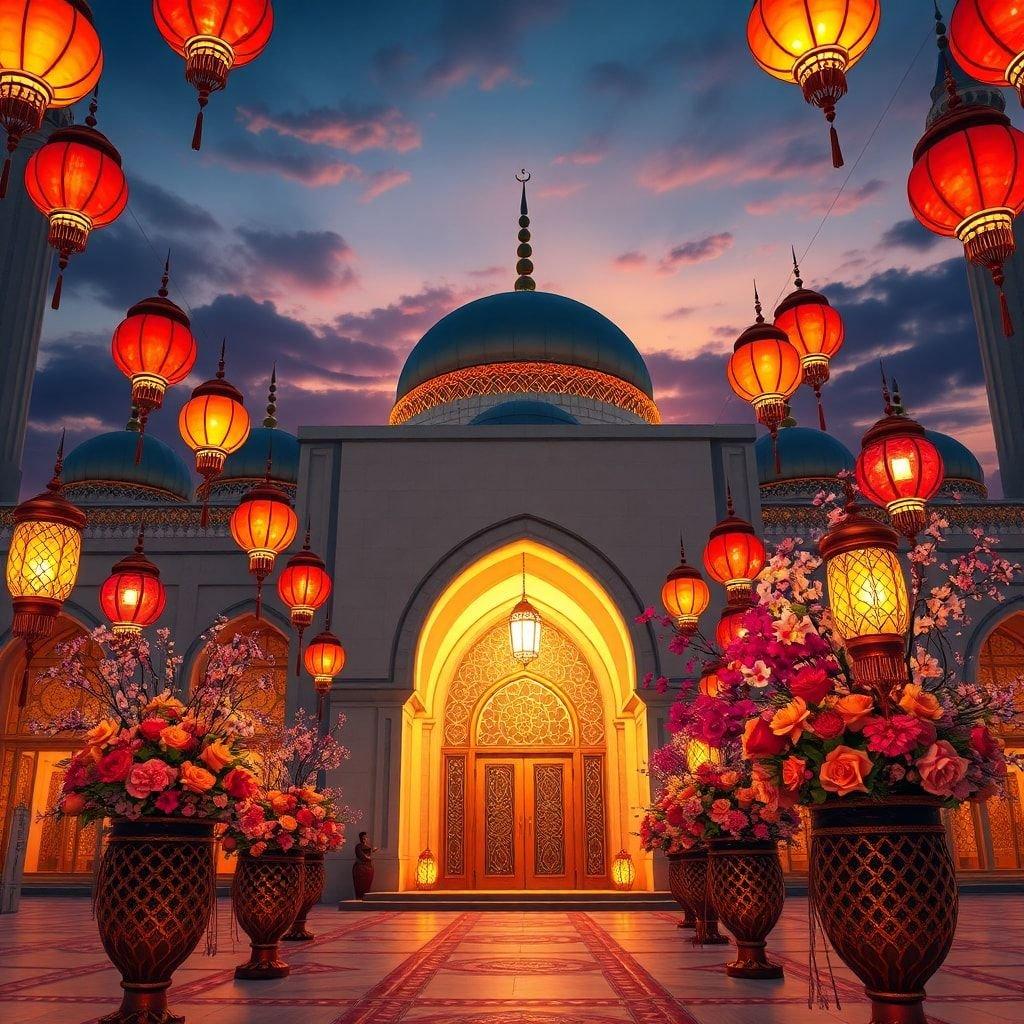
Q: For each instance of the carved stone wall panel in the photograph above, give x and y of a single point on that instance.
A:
(548, 820)
(596, 854)
(455, 815)
(524, 713)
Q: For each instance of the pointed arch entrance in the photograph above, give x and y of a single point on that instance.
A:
(523, 777)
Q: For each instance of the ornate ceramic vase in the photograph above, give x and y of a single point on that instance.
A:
(155, 894)
(692, 883)
(312, 890)
(748, 892)
(266, 894)
(883, 883)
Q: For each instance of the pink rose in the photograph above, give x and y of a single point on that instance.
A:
(167, 802)
(151, 776)
(941, 768)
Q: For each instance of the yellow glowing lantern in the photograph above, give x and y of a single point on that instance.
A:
(524, 628)
(42, 563)
(868, 598)
(699, 753)
(623, 871)
(426, 870)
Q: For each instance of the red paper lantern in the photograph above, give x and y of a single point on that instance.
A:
(734, 555)
(813, 43)
(730, 627)
(50, 57)
(899, 469)
(987, 40)
(154, 348)
(764, 370)
(325, 658)
(214, 37)
(76, 182)
(685, 595)
(815, 330)
(304, 586)
(132, 596)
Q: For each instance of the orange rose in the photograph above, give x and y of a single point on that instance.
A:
(789, 721)
(855, 709)
(793, 773)
(216, 756)
(915, 701)
(312, 796)
(729, 779)
(288, 823)
(72, 805)
(165, 704)
(102, 733)
(176, 738)
(196, 779)
(282, 802)
(844, 771)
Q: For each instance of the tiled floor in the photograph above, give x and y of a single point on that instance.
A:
(418, 967)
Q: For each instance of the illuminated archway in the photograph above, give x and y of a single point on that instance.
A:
(583, 623)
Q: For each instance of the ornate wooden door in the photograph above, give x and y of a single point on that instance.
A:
(550, 860)
(499, 831)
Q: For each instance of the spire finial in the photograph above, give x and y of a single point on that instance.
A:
(165, 280)
(134, 424)
(757, 305)
(58, 465)
(682, 551)
(220, 365)
(524, 265)
(942, 42)
(94, 105)
(270, 456)
(730, 508)
(271, 420)
(897, 401)
(789, 420)
(796, 269)
(886, 396)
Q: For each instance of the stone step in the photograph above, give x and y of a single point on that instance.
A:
(503, 900)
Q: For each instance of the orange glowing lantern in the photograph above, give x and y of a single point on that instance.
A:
(764, 370)
(685, 595)
(214, 37)
(42, 563)
(324, 659)
(898, 468)
(263, 525)
(214, 423)
(815, 330)
(813, 43)
(967, 182)
(710, 685)
(77, 183)
(987, 40)
(154, 347)
(304, 586)
(132, 596)
(734, 555)
(730, 627)
(50, 56)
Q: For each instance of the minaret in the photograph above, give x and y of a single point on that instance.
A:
(524, 267)
(25, 262)
(1002, 358)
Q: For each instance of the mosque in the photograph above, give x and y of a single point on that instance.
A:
(525, 454)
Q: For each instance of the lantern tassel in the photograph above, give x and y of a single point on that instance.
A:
(197, 135)
(259, 598)
(1004, 306)
(23, 690)
(58, 290)
(298, 653)
(140, 441)
(204, 519)
(821, 408)
(319, 707)
(837, 153)
(775, 452)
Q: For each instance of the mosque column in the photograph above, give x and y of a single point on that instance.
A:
(25, 262)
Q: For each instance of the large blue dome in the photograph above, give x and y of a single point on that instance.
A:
(521, 327)
(961, 465)
(804, 453)
(249, 464)
(522, 411)
(103, 468)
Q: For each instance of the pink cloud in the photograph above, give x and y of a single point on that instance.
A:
(588, 154)
(561, 191)
(383, 181)
(631, 260)
(309, 169)
(699, 250)
(816, 204)
(354, 130)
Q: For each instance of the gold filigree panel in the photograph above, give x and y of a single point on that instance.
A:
(561, 665)
(455, 815)
(1002, 659)
(548, 820)
(499, 819)
(963, 829)
(593, 816)
(524, 713)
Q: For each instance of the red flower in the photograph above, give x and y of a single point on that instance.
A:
(304, 816)
(115, 766)
(828, 725)
(240, 784)
(983, 743)
(759, 740)
(167, 801)
(811, 683)
(152, 727)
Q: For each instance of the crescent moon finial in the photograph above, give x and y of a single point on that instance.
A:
(523, 176)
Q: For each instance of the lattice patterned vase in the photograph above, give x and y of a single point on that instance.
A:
(883, 883)
(692, 890)
(676, 888)
(312, 890)
(748, 892)
(155, 896)
(266, 894)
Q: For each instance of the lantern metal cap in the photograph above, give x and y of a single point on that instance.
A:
(759, 330)
(159, 304)
(857, 531)
(85, 135)
(326, 637)
(958, 119)
(266, 490)
(305, 557)
(51, 506)
(524, 606)
(683, 571)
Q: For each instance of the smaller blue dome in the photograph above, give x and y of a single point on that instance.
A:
(959, 460)
(104, 468)
(522, 411)
(804, 453)
(249, 463)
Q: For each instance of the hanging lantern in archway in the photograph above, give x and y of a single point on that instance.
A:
(42, 563)
(76, 182)
(987, 40)
(815, 330)
(967, 182)
(685, 595)
(813, 43)
(132, 596)
(734, 554)
(154, 348)
(324, 659)
(50, 57)
(304, 586)
(214, 37)
(214, 423)
(898, 468)
(263, 525)
(524, 626)
(764, 370)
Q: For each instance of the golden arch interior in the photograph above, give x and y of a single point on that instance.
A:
(523, 777)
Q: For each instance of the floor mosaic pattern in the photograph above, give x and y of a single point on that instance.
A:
(420, 967)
